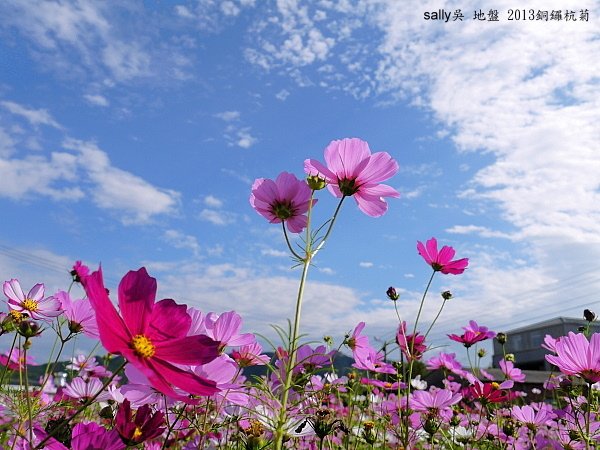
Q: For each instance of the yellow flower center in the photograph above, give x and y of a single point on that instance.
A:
(142, 346)
(16, 315)
(30, 305)
(137, 433)
(495, 385)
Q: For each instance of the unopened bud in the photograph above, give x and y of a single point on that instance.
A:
(501, 338)
(589, 315)
(446, 295)
(29, 328)
(315, 182)
(392, 294)
(481, 352)
(510, 357)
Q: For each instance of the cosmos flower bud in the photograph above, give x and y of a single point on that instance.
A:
(510, 357)
(29, 329)
(590, 316)
(501, 338)
(315, 182)
(392, 294)
(481, 352)
(446, 295)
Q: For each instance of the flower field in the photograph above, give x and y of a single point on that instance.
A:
(175, 377)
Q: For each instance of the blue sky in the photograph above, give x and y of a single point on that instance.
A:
(130, 135)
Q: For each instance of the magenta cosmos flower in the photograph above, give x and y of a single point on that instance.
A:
(286, 199)
(151, 336)
(441, 261)
(33, 304)
(353, 171)
(576, 356)
(473, 333)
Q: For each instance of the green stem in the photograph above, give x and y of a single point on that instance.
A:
(287, 241)
(331, 223)
(27, 393)
(279, 432)
(436, 318)
(12, 347)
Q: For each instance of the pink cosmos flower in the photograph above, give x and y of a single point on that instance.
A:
(441, 261)
(529, 416)
(138, 391)
(575, 355)
(436, 402)
(85, 436)
(286, 199)
(225, 328)
(250, 355)
(82, 389)
(87, 366)
(511, 372)
(372, 360)
(15, 359)
(151, 336)
(33, 304)
(473, 334)
(81, 315)
(353, 171)
(412, 345)
(445, 361)
(79, 271)
(358, 342)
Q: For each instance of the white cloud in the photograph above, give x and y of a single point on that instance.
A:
(96, 99)
(38, 175)
(80, 39)
(229, 8)
(245, 139)
(481, 231)
(213, 202)
(34, 116)
(274, 253)
(180, 240)
(215, 217)
(135, 199)
(7, 143)
(365, 264)
(282, 95)
(228, 116)
(183, 11)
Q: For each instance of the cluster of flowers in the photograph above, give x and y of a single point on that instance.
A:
(178, 378)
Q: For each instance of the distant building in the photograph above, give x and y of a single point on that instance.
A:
(526, 342)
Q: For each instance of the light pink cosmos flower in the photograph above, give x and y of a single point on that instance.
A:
(286, 199)
(250, 355)
(445, 361)
(33, 304)
(353, 171)
(435, 401)
(511, 372)
(81, 315)
(151, 335)
(529, 416)
(82, 389)
(575, 355)
(225, 329)
(441, 261)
